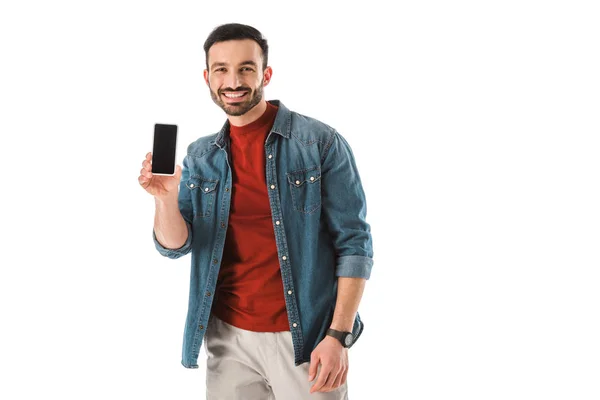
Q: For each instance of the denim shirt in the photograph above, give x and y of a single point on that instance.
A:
(318, 211)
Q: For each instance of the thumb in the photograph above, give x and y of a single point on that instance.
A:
(314, 364)
(177, 172)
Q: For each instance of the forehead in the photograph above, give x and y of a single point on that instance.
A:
(233, 52)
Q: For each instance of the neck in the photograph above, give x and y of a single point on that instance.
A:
(250, 116)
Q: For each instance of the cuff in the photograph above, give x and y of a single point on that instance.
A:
(354, 266)
(174, 253)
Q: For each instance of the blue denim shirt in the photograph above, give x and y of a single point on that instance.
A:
(318, 212)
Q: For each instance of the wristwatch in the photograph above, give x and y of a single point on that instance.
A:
(345, 338)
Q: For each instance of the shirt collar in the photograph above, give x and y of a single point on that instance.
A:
(281, 126)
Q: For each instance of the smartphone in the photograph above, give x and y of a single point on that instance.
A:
(164, 149)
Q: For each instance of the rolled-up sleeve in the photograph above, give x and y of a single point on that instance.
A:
(354, 266)
(175, 253)
(344, 208)
(186, 210)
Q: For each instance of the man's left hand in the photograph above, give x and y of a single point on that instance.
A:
(333, 358)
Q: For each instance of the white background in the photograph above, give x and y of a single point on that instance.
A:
(475, 129)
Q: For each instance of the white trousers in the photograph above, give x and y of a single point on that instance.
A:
(246, 365)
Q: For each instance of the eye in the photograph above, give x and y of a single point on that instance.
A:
(220, 69)
(247, 69)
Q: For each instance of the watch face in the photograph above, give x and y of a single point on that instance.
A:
(348, 340)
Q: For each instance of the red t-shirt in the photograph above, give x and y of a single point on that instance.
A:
(249, 288)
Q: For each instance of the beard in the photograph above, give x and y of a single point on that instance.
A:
(253, 98)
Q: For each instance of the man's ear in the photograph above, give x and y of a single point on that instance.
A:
(206, 77)
(267, 75)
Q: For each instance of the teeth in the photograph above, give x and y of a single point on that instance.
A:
(233, 95)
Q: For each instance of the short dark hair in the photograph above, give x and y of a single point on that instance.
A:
(235, 31)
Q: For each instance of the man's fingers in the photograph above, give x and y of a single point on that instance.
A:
(314, 364)
(338, 380)
(331, 379)
(321, 379)
(145, 173)
(143, 181)
(344, 376)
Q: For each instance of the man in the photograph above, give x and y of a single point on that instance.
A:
(272, 210)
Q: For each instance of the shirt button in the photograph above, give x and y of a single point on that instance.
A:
(191, 185)
(312, 178)
(284, 258)
(277, 222)
(297, 182)
(222, 224)
(201, 327)
(208, 294)
(294, 324)
(227, 189)
(272, 186)
(270, 155)
(206, 189)
(215, 261)
(289, 292)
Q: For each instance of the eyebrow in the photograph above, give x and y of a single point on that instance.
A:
(222, 64)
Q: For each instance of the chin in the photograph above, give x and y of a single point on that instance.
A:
(234, 111)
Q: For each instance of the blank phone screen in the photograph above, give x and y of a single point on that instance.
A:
(163, 152)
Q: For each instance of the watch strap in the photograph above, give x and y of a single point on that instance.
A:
(339, 335)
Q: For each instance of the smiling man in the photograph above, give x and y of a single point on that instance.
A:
(273, 212)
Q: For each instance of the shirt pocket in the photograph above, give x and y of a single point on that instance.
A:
(202, 192)
(305, 188)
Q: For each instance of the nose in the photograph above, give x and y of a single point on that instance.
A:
(233, 80)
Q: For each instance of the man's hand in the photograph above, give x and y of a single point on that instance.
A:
(158, 185)
(333, 358)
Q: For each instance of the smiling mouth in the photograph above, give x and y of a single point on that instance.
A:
(234, 95)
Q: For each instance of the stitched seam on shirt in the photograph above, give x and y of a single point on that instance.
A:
(316, 140)
(328, 146)
(201, 155)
